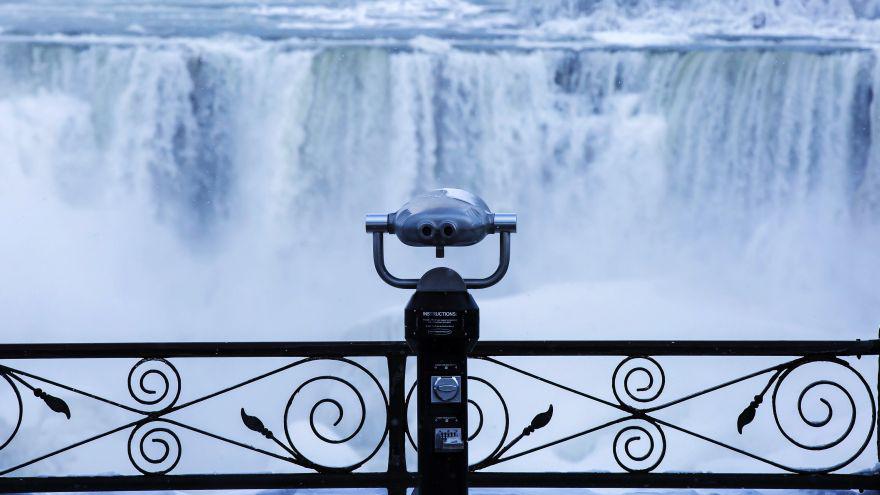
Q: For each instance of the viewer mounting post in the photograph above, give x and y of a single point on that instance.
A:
(442, 322)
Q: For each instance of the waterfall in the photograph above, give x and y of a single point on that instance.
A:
(217, 186)
(725, 17)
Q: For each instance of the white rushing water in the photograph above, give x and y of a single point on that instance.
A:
(215, 188)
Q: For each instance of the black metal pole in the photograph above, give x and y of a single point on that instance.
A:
(442, 325)
(397, 420)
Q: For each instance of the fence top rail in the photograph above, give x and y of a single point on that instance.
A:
(678, 348)
(483, 348)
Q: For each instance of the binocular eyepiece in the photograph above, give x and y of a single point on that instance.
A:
(444, 217)
(441, 218)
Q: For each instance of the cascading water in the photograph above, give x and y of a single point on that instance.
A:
(214, 187)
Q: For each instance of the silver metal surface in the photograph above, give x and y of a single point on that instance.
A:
(504, 222)
(445, 389)
(377, 222)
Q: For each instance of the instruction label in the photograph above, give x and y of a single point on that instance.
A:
(440, 322)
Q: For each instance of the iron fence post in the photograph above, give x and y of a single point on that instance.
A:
(397, 419)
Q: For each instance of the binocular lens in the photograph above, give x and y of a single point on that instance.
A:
(448, 230)
(427, 231)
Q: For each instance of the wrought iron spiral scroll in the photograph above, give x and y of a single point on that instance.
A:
(154, 398)
(154, 448)
(829, 409)
(780, 378)
(297, 457)
(639, 446)
(631, 367)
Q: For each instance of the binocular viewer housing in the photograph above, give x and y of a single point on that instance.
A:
(442, 321)
(441, 218)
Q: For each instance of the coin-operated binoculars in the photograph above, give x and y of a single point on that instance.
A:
(442, 321)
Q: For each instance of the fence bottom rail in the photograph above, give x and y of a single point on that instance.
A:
(399, 483)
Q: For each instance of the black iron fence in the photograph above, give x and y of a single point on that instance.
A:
(804, 415)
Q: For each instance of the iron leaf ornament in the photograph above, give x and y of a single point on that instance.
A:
(253, 423)
(748, 414)
(53, 402)
(539, 421)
